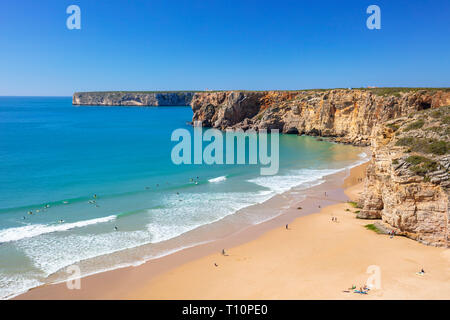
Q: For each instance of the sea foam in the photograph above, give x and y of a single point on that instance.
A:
(33, 230)
(218, 179)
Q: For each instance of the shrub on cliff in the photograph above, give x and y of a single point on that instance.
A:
(432, 146)
(415, 125)
(421, 165)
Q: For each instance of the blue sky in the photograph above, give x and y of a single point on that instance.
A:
(198, 44)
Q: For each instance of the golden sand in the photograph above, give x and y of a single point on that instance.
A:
(315, 258)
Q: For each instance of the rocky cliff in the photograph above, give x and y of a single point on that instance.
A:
(345, 115)
(407, 183)
(122, 98)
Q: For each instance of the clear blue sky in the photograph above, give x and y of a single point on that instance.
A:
(198, 44)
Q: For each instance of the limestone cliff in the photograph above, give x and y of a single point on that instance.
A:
(345, 115)
(123, 98)
(407, 183)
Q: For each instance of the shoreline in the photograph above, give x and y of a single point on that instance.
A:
(225, 237)
(172, 276)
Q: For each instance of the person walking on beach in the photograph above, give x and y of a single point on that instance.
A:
(223, 252)
(287, 226)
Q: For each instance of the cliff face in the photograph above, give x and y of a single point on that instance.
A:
(346, 115)
(132, 98)
(407, 183)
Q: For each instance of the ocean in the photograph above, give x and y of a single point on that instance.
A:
(96, 187)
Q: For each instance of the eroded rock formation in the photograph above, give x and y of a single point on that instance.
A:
(407, 183)
(346, 115)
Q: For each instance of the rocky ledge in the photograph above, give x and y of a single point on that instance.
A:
(407, 183)
(345, 115)
(123, 98)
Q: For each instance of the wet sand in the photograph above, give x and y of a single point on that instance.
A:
(315, 258)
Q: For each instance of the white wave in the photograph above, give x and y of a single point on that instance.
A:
(53, 252)
(362, 155)
(33, 230)
(197, 209)
(218, 179)
(13, 285)
(283, 183)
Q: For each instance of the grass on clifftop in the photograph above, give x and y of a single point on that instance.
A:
(137, 92)
(382, 91)
(395, 91)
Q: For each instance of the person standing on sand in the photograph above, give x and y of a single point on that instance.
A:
(223, 252)
(287, 227)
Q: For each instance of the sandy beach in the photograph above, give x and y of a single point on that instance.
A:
(315, 258)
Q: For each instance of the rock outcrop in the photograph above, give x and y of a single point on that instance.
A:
(345, 115)
(407, 183)
(119, 98)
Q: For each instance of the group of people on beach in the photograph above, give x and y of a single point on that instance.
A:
(392, 233)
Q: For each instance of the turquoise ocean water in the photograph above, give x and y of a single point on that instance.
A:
(55, 157)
